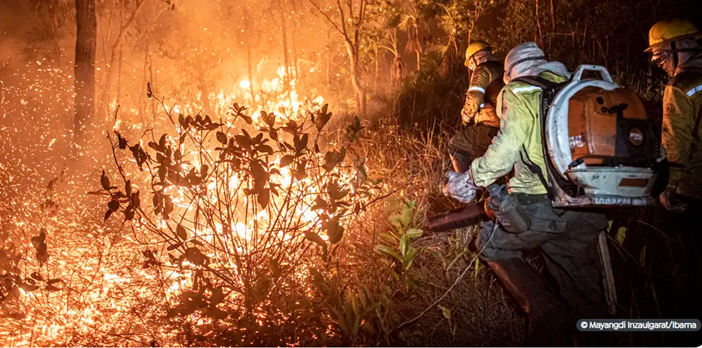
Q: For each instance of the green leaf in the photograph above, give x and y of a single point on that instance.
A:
(477, 269)
(385, 250)
(414, 233)
(445, 312)
(411, 254)
(389, 237)
(621, 234)
(404, 244)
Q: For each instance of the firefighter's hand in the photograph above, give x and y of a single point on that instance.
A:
(460, 186)
(468, 115)
(672, 202)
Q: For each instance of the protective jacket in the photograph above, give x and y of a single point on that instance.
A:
(681, 131)
(519, 139)
(481, 98)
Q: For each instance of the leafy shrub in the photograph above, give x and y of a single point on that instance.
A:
(235, 218)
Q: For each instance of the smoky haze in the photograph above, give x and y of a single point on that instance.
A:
(200, 55)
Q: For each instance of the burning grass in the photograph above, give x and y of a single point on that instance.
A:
(251, 229)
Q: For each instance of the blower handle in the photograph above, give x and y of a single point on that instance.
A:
(578, 75)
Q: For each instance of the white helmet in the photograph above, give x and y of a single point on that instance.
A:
(523, 57)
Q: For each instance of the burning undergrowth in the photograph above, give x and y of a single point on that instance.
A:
(217, 231)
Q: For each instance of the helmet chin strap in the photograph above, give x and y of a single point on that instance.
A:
(675, 55)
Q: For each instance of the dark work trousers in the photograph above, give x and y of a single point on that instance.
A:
(568, 241)
(469, 143)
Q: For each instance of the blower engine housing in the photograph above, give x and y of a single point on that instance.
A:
(601, 143)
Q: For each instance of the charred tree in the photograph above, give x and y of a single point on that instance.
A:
(84, 69)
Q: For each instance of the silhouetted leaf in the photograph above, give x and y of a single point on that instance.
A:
(222, 138)
(113, 205)
(129, 212)
(181, 232)
(105, 181)
(174, 246)
(39, 243)
(195, 256)
(286, 160)
(263, 198)
(334, 230)
(315, 238)
(269, 119)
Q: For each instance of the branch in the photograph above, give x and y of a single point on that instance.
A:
(319, 9)
(343, 19)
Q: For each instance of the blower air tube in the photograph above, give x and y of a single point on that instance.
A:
(458, 218)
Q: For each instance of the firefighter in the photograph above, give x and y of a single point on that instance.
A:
(567, 238)
(480, 121)
(674, 49)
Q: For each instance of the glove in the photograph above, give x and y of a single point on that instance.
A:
(467, 116)
(672, 202)
(460, 186)
(470, 109)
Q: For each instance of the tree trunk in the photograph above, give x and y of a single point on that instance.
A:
(356, 78)
(540, 40)
(84, 69)
(294, 43)
(119, 67)
(251, 83)
(108, 97)
(377, 67)
(286, 61)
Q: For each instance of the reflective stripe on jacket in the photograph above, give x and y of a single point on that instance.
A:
(520, 128)
(682, 107)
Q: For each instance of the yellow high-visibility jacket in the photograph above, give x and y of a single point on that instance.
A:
(520, 128)
(481, 97)
(681, 132)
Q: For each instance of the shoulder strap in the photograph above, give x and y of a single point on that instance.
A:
(534, 168)
(549, 91)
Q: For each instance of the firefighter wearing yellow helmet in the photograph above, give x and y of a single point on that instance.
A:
(674, 49)
(480, 121)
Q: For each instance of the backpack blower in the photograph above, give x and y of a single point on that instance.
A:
(600, 147)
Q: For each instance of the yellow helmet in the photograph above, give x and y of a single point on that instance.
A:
(670, 30)
(475, 47)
